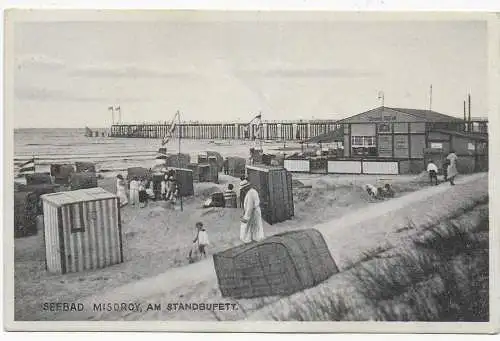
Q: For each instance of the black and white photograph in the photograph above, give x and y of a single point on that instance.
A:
(248, 167)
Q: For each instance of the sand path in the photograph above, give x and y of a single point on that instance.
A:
(347, 238)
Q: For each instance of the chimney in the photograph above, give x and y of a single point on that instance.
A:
(465, 117)
(470, 119)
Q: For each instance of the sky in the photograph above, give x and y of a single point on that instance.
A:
(67, 73)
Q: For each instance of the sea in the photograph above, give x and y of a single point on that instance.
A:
(113, 155)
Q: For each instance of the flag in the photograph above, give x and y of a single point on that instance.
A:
(111, 108)
(28, 167)
(117, 108)
(170, 132)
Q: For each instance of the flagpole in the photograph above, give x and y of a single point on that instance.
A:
(179, 120)
(179, 156)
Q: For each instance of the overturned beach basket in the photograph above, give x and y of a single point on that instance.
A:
(274, 185)
(82, 230)
(38, 179)
(194, 169)
(85, 167)
(204, 158)
(178, 160)
(236, 166)
(218, 157)
(214, 169)
(62, 173)
(138, 172)
(208, 173)
(82, 181)
(279, 265)
(184, 178)
(25, 213)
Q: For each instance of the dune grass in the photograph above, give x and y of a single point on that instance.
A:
(442, 276)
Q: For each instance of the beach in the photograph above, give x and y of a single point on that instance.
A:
(159, 237)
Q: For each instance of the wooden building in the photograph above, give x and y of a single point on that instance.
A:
(82, 230)
(274, 185)
(394, 141)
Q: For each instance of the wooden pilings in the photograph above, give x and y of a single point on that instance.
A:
(228, 131)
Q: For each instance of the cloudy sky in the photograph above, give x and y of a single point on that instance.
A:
(66, 74)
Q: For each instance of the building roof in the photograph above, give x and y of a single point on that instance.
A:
(428, 115)
(419, 115)
(472, 136)
(81, 195)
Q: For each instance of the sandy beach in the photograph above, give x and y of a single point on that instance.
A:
(158, 237)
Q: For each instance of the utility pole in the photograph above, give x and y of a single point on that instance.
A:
(430, 99)
(470, 119)
(465, 116)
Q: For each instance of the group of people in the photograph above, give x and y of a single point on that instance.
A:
(141, 190)
(449, 169)
(380, 192)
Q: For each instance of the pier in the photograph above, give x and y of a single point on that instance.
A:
(271, 130)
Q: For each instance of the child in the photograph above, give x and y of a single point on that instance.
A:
(199, 242)
(230, 197)
(432, 170)
(171, 187)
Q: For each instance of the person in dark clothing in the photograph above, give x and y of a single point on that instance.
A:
(143, 195)
(225, 166)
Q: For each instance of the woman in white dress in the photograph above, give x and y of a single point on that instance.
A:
(134, 191)
(121, 191)
(251, 228)
(452, 167)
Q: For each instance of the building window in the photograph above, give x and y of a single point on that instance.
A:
(363, 141)
(436, 145)
(470, 146)
(384, 127)
(363, 146)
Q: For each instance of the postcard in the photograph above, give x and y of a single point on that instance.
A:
(250, 171)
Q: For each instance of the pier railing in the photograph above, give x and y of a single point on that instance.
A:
(269, 130)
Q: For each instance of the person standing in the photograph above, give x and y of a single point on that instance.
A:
(134, 191)
(452, 167)
(171, 187)
(200, 242)
(143, 195)
(164, 188)
(121, 191)
(432, 169)
(251, 228)
(230, 197)
(225, 166)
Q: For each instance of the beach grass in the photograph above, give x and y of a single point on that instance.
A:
(442, 275)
